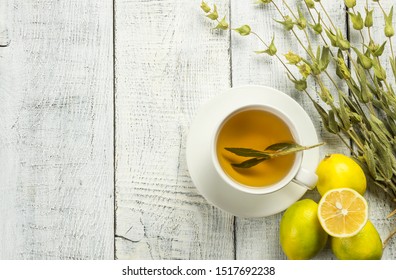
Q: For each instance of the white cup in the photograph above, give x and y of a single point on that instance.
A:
(225, 193)
(297, 173)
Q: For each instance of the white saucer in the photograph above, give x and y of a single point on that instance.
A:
(202, 170)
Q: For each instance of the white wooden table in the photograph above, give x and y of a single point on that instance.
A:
(96, 99)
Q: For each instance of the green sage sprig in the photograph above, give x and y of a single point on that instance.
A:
(272, 151)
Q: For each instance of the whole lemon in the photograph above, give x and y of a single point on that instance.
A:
(339, 171)
(366, 245)
(301, 235)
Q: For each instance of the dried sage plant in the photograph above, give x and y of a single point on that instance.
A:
(366, 111)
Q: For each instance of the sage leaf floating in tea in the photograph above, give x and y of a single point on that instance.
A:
(249, 163)
(272, 151)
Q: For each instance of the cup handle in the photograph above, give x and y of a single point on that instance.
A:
(306, 179)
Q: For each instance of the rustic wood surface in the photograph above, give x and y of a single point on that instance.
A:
(56, 124)
(96, 100)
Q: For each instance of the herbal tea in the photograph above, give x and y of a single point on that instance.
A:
(256, 129)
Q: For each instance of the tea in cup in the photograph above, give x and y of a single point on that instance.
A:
(257, 127)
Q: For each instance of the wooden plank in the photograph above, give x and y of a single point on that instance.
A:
(168, 63)
(56, 143)
(259, 238)
(380, 205)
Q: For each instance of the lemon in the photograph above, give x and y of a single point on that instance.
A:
(342, 212)
(366, 245)
(339, 171)
(301, 235)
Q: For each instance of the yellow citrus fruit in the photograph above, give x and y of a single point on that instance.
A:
(366, 245)
(342, 212)
(339, 171)
(301, 235)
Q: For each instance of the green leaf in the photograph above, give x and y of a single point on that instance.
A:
(323, 115)
(272, 151)
(248, 163)
(379, 128)
(324, 58)
(344, 114)
(281, 149)
(283, 146)
(370, 160)
(365, 93)
(350, 103)
(393, 65)
(247, 152)
(384, 163)
(333, 125)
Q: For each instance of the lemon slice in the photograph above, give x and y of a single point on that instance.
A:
(342, 212)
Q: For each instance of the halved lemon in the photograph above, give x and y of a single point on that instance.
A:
(342, 212)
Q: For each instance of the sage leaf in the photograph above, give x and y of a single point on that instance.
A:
(379, 128)
(281, 149)
(324, 58)
(383, 161)
(393, 65)
(282, 146)
(248, 163)
(370, 160)
(246, 152)
(333, 125)
(344, 115)
(323, 115)
(272, 151)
